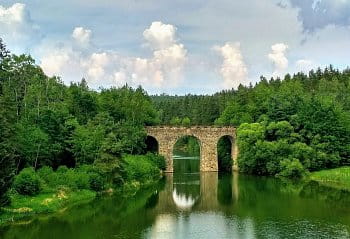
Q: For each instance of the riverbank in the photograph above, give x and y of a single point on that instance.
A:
(26, 206)
(23, 207)
(46, 190)
(337, 178)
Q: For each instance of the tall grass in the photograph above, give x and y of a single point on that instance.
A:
(338, 177)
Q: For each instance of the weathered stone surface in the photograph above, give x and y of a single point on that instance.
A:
(208, 139)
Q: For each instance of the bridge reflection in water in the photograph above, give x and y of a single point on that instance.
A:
(191, 200)
(197, 192)
(188, 190)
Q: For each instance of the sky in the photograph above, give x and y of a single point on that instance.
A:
(177, 46)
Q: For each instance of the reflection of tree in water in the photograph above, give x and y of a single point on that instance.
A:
(186, 189)
(318, 192)
(106, 216)
(225, 189)
(188, 164)
(265, 208)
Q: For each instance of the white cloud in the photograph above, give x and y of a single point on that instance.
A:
(82, 36)
(317, 30)
(278, 58)
(233, 69)
(159, 35)
(61, 61)
(304, 65)
(164, 69)
(120, 78)
(17, 28)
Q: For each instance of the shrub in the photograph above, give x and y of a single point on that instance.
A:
(186, 122)
(81, 181)
(62, 169)
(140, 168)
(96, 182)
(77, 180)
(110, 168)
(292, 168)
(27, 182)
(158, 160)
(45, 173)
(85, 168)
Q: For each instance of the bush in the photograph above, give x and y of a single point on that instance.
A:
(45, 173)
(96, 182)
(81, 181)
(140, 168)
(27, 182)
(85, 168)
(186, 122)
(158, 160)
(110, 168)
(74, 179)
(77, 180)
(292, 169)
(62, 169)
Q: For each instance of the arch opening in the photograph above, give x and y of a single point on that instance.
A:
(152, 145)
(225, 151)
(186, 155)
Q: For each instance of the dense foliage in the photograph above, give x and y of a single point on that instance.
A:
(43, 123)
(140, 168)
(7, 164)
(287, 126)
(27, 182)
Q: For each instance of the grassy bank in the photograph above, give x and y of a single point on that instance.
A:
(337, 178)
(24, 206)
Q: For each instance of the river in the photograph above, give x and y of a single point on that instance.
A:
(189, 204)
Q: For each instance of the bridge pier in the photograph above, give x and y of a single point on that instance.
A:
(209, 155)
(234, 153)
(166, 149)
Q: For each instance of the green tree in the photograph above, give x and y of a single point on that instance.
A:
(7, 156)
(175, 121)
(32, 145)
(186, 122)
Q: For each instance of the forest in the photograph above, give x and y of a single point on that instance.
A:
(52, 134)
(62, 139)
(285, 127)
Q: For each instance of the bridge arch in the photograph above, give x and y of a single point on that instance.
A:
(232, 151)
(208, 138)
(152, 144)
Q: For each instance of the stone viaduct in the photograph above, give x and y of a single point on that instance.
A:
(208, 138)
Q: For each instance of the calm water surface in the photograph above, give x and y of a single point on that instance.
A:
(188, 204)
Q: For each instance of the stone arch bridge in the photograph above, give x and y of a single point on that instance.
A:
(208, 138)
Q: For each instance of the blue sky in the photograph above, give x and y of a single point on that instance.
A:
(178, 46)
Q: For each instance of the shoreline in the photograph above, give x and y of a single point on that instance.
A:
(338, 178)
(48, 203)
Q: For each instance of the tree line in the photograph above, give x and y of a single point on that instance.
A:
(285, 126)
